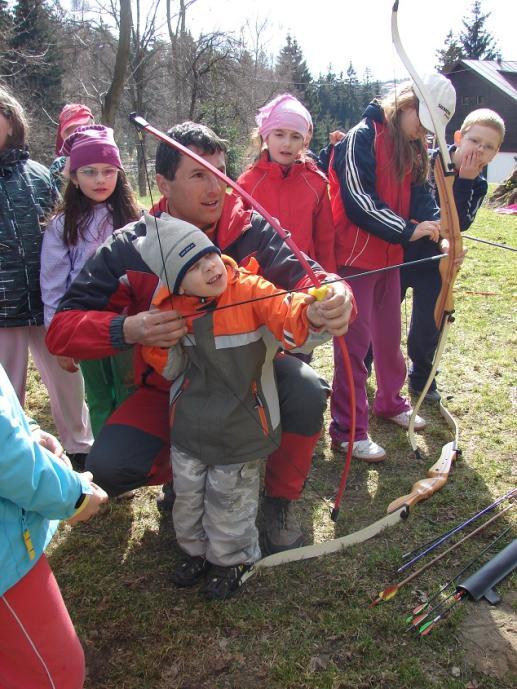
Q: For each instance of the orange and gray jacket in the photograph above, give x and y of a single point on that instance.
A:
(224, 401)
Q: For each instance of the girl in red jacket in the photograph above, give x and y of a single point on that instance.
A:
(287, 183)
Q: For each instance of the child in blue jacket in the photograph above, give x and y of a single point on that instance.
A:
(38, 643)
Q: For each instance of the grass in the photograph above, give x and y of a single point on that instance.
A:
(309, 625)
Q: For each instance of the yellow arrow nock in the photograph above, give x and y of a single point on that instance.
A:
(319, 293)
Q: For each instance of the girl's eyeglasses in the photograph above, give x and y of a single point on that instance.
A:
(91, 172)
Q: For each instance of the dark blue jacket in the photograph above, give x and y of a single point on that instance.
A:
(27, 195)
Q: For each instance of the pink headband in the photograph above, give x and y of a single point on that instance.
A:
(283, 112)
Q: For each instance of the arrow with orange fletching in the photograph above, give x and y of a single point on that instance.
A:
(422, 611)
(391, 591)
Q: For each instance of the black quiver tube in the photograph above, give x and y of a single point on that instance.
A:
(481, 584)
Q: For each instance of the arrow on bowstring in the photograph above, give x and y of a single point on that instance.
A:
(485, 241)
(308, 288)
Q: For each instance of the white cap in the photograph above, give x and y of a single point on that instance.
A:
(443, 98)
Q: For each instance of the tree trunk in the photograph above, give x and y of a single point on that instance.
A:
(111, 100)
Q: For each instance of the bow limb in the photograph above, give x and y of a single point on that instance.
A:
(141, 124)
(437, 477)
(444, 175)
(438, 129)
(327, 547)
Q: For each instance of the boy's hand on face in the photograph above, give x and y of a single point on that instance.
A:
(154, 328)
(470, 165)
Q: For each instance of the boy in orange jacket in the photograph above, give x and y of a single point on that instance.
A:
(224, 407)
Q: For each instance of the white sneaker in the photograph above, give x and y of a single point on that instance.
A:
(365, 449)
(402, 420)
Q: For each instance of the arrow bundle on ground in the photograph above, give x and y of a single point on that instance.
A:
(424, 610)
(431, 545)
(479, 585)
(391, 591)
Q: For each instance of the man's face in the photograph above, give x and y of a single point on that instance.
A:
(195, 194)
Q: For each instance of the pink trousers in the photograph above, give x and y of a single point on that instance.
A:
(66, 390)
(378, 322)
(39, 648)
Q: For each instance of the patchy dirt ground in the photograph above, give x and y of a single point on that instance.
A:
(489, 637)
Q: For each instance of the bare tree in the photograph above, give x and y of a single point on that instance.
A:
(113, 96)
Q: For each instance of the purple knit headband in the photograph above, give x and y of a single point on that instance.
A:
(91, 145)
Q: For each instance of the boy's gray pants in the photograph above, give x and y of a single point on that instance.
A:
(215, 509)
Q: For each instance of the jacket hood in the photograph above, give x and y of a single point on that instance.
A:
(374, 111)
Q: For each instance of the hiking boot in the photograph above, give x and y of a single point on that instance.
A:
(165, 498)
(190, 570)
(282, 530)
(402, 420)
(366, 450)
(223, 581)
(432, 396)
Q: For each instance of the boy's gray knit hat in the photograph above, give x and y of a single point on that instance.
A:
(171, 246)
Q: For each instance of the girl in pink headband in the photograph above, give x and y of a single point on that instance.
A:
(287, 182)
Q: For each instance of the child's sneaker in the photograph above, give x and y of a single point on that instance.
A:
(223, 581)
(402, 420)
(190, 570)
(366, 450)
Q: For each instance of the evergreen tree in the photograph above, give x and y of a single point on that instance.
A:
(33, 45)
(292, 69)
(292, 66)
(476, 41)
(352, 108)
(37, 68)
(451, 53)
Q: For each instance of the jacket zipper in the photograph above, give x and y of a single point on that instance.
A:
(259, 406)
(27, 538)
(172, 412)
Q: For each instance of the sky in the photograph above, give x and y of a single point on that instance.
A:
(339, 31)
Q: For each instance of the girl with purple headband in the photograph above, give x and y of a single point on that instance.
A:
(97, 200)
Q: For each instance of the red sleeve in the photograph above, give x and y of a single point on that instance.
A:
(159, 207)
(324, 234)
